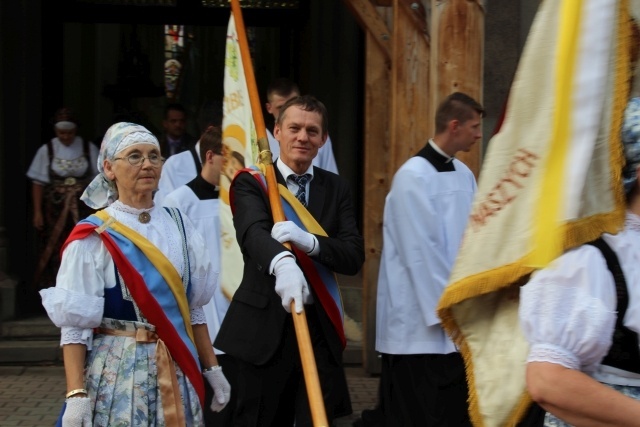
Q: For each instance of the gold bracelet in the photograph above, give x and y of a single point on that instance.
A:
(76, 391)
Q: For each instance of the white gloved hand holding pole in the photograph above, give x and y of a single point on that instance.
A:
(220, 386)
(77, 412)
(291, 284)
(288, 231)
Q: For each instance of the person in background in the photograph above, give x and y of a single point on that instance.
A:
(59, 172)
(129, 297)
(175, 138)
(198, 200)
(280, 91)
(185, 166)
(581, 316)
(423, 379)
(258, 329)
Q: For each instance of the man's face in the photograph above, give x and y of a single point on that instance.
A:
(276, 102)
(300, 136)
(174, 124)
(467, 133)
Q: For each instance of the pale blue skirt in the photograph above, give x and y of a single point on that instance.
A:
(122, 381)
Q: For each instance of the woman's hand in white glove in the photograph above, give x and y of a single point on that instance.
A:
(78, 412)
(220, 386)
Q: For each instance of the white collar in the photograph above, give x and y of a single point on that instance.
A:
(286, 170)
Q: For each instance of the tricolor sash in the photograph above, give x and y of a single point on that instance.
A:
(147, 274)
(323, 281)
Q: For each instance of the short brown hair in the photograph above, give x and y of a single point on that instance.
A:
(210, 140)
(283, 87)
(457, 106)
(307, 103)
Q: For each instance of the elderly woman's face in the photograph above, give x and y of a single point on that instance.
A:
(136, 169)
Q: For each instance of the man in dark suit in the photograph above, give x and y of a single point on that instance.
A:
(258, 328)
(175, 138)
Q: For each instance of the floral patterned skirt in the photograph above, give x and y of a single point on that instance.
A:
(631, 391)
(122, 381)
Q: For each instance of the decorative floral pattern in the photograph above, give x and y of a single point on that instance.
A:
(123, 381)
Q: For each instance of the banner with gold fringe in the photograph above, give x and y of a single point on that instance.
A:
(550, 181)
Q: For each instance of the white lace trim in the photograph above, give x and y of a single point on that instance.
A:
(73, 335)
(553, 354)
(197, 316)
(119, 206)
(161, 230)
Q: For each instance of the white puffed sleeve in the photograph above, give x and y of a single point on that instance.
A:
(39, 168)
(204, 278)
(76, 303)
(567, 310)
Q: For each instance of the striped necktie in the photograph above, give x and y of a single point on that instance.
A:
(302, 181)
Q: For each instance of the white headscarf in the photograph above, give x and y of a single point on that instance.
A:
(101, 192)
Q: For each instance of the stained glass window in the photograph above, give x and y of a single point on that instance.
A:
(173, 54)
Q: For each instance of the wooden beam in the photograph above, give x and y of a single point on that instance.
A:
(416, 11)
(458, 53)
(377, 182)
(369, 19)
(411, 122)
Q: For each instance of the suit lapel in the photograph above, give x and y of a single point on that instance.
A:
(317, 192)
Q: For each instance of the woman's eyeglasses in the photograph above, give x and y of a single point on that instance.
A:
(136, 159)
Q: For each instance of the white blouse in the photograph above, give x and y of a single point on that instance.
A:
(568, 310)
(67, 161)
(76, 303)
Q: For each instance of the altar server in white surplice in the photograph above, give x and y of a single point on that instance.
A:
(425, 215)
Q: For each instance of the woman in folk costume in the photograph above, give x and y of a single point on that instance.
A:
(581, 316)
(60, 171)
(129, 297)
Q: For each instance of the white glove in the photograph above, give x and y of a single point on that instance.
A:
(288, 231)
(221, 388)
(77, 413)
(291, 284)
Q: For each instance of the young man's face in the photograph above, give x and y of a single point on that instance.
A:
(175, 123)
(467, 133)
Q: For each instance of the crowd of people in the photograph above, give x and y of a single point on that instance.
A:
(149, 339)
